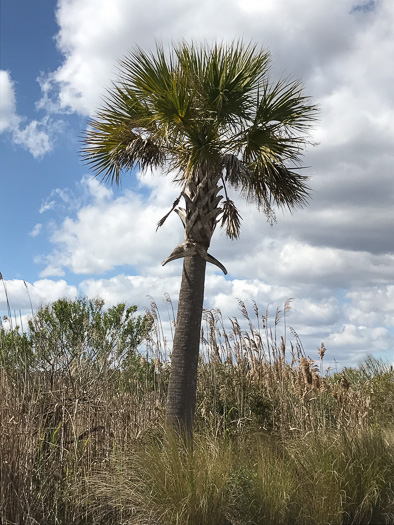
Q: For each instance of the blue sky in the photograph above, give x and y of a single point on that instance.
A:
(66, 234)
(28, 50)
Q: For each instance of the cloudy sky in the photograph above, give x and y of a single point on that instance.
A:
(65, 234)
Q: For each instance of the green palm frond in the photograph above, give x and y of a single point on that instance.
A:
(277, 135)
(199, 108)
(113, 147)
(283, 104)
(165, 88)
(279, 185)
(227, 78)
(267, 184)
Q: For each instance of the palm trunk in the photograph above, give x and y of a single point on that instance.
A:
(181, 399)
(199, 220)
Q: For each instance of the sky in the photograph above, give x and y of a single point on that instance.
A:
(65, 234)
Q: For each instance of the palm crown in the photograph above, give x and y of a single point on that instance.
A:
(206, 110)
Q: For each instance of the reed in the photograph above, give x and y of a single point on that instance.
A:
(82, 398)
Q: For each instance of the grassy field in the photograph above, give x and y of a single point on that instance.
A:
(277, 441)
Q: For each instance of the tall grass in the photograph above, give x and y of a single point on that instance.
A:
(257, 376)
(82, 438)
(164, 481)
(323, 478)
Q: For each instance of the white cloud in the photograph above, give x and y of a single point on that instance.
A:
(37, 136)
(340, 52)
(335, 257)
(34, 139)
(36, 230)
(360, 337)
(315, 320)
(65, 199)
(124, 233)
(22, 295)
(373, 306)
(8, 116)
(94, 35)
(46, 206)
(266, 265)
(131, 289)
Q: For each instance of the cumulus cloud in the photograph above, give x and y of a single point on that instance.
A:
(36, 136)
(135, 289)
(8, 116)
(265, 265)
(335, 257)
(371, 307)
(124, 233)
(33, 138)
(360, 338)
(340, 49)
(93, 35)
(41, 292)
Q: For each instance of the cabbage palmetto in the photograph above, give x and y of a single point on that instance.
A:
(211, 118)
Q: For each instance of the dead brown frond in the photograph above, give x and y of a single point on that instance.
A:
(174, 205)
(231, 218)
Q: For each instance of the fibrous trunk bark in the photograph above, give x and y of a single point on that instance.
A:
(199, 220)
(181, 401)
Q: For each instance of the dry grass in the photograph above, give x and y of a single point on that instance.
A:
(163, 481)
(83, 443)
(257, 376)
(334, 478)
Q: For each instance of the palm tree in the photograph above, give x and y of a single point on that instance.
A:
(212, 119)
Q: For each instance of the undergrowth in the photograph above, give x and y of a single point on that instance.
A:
(82, 441)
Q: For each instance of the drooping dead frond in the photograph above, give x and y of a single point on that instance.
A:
(232, 219)
(235, 169)
(174, 205)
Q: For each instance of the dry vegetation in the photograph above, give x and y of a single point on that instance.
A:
(277, 441)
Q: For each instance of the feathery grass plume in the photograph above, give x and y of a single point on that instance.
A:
(171, 313)
(29, 296)
(306, 372)
(9, 318)
(322, 351)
